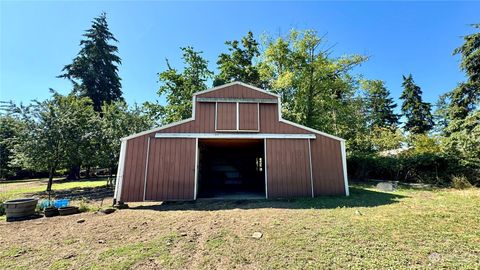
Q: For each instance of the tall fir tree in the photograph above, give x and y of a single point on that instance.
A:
(418, 113)
(465, 98)
(380, 105)
(94, 71)
(239, 64)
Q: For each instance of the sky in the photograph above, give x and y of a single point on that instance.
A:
(38, 38)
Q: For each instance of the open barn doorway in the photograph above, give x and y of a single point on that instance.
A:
(231, 168)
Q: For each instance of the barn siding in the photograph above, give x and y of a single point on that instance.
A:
(327, 167)
(282, 155)
(248, 116)
(288, 168)
(226, 116)
(134, 174)
(171, 170)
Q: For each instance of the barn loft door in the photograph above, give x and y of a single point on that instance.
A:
(170, 169)
(237, 116)
(248, 117)
(226, 116)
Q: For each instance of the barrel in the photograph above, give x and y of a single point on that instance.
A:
(20, 208)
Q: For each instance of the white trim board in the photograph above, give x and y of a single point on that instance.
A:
(195, 188)
(235, 136)
(344, 165)
(156, 129)
(265, 166)
(234, 83)
(120, 170)
(239, 100)
(146, 169)
(311, 169)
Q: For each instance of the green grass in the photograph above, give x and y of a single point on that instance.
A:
(369, 229)
(124, 257)
(405, 229)
(34, 186)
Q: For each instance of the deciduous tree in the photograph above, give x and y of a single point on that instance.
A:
(179, 87)
(238, 64)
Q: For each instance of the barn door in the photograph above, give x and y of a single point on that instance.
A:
(170, 169)
(288, 168)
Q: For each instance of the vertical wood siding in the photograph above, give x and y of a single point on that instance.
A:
(226, 116)
(269, 121)
(171, 177)
(248, 119)
(288, 168)
(327, 167)
(134, 173)
(171, 170)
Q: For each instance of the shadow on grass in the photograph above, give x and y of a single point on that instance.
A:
(87, 193)
(359, 197)
(55, 180)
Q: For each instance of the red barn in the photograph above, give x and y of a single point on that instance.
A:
(236, 144)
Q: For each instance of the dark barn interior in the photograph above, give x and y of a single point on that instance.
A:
(230, 168)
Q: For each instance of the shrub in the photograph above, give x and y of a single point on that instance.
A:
(429, 168)
(460, 182)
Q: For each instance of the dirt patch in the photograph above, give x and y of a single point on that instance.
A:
(218, 235)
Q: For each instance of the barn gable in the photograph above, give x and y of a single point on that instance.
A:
(235, 107)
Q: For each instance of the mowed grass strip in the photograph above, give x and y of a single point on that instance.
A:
(12, 190)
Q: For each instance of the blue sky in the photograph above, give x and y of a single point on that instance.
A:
(38, 38)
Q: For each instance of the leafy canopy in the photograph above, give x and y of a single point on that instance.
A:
(179, 87)
(239, 64)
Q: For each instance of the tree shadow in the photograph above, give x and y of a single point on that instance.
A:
(87, 193)
(359, 197)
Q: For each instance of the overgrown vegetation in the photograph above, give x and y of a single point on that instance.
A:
(82, 130)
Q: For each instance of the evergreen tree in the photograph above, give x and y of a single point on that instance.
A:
(94, 71)
(470, 52)
(380, 105)
(417, 112)
(465, 98)
(239, 64)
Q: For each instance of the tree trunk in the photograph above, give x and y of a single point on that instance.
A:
(74, 172)
(87, 172)
(50, 178)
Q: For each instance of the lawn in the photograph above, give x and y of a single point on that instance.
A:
(408, 228)
(19, 188)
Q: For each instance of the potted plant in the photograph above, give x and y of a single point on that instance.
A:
(50, 211)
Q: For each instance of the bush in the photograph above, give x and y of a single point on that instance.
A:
(460, 182)
(416, 168)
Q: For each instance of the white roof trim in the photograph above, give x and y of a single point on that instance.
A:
(311, 129)
(236, 135)
(235, 83)
(157, 129)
